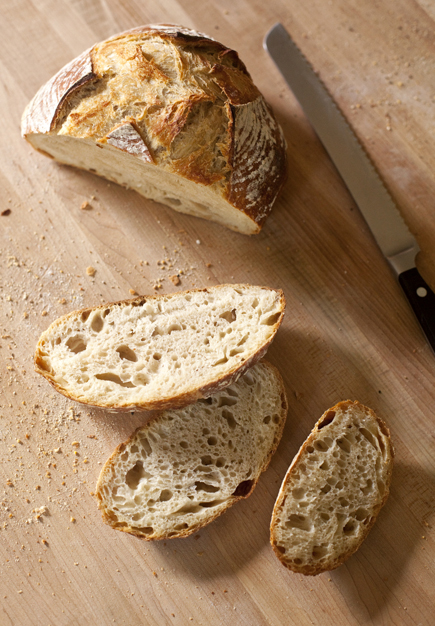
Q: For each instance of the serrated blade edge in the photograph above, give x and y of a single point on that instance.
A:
(351, 160)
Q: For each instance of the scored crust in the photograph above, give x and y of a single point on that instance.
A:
(185, 468)
(73, 352)
(333, 491)
(217, 131)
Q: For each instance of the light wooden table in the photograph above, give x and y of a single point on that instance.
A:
(348, 331)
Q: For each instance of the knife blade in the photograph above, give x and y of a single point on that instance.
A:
(392, 235)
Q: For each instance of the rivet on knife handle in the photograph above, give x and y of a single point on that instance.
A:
(395, 240)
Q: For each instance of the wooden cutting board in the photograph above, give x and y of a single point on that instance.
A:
(348, 332)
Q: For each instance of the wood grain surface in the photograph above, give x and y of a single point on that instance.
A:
(348, 331)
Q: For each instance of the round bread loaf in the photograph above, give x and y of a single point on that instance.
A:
(172, 114)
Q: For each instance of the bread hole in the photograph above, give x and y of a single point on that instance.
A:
(339, 486)
(105, 312)
(173, 201)
(361, 514)
(76, 344)
(145, 530)
(97, 323)
(230, 419)
(229, 316)
(324, 466)
(319, 552)
(221, 361)
(165, 495)
(310, 449)
(201, 486)
(84, 316)
(298, 493)
(134, 475)
(267, 419)
(173, 327)
(212, 441)
(329, 417)
(114, 378)
(343, 502)
(368, 487)
(226, 401)
(255, 303)
(206, 460)
(276, 418)
(325, 489)
(369, 436)
(243, 489)
(157, 331)
(271, 320)
(211, 504)
(187, 508)
(236, 351)
(146, 448)
(184, 444)
(134, 449)
(321, 445)
(298, 521)
(220, 462)
(126, 353)
(325, 517)
(205, 431)
(344, 444)
(349, 528)
(248, 378)
(140, 379)
(136, 517)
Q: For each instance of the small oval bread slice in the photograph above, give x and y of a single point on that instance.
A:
(185, 467)
(333, 490)
(159, 352)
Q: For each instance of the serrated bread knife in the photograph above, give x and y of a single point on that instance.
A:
(375, 203)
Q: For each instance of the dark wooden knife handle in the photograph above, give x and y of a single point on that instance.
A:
(422, 299)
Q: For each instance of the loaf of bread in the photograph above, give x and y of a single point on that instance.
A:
(172, 114)
(333, 490)
(159, 351)
(187, 466)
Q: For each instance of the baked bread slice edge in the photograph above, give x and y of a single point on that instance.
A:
(333, 490)
(186, 467)
(157, 352)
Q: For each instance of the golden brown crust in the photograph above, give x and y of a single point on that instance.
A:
(318, 568)
(179, 400)
(241, 493)
(249, 168)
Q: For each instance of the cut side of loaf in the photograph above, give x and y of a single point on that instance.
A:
(170, 113)
(159, 351)
(187, 466)
(333, 490)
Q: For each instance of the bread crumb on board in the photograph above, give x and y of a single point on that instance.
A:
(91, 271)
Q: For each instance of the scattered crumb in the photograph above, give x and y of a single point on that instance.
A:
(6, 212)
(133, 292)
(175, 279)
(85, 206)
(90, 271)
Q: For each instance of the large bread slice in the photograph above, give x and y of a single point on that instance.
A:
(159, 351)
(333, 490)
(187, 466)
(170, 113)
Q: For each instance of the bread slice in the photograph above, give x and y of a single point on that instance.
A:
(159, 351)
(187, 466)
(171, 113)
(333, 490)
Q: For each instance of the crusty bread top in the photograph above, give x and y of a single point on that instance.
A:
(181, 98)
(333, 490)
(159, 351)
(187, 466)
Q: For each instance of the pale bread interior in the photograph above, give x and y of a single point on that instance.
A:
(181, 194)
(333, 490)
(161, 351)
(187, 466)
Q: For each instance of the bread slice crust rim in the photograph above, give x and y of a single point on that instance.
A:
(313, 569)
